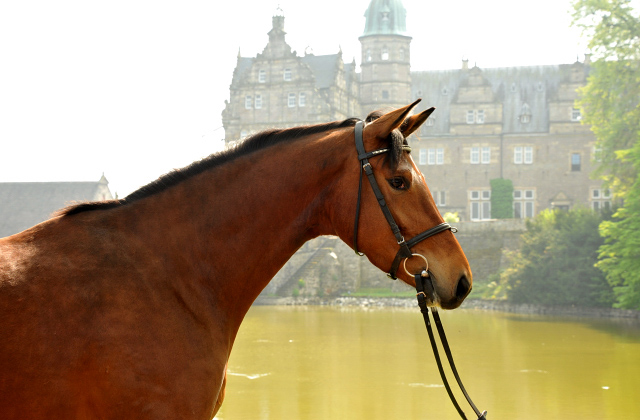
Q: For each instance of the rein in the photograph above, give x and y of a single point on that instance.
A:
(424, 284)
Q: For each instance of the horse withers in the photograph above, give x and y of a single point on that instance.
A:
(128, 309)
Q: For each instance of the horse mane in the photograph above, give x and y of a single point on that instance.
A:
(259, 141)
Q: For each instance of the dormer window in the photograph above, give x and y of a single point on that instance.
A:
(525, 114)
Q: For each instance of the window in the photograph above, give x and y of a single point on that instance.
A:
(440, 198)
(432, 157)
(523, 203)
(292, 100)
(430, 122)
(439, 156)
(475, 116)
(258, 102)
(475, 155)
(486, 155)
(480, 205)
(517, 155)
(575, 162)
(302, 99)
(385, 94)
(385, 54)
(423, 157)
(247, 102)
(470, 117)
(575, 114)
(525, 114)
(287, 75)
(523, 154)
(600, 199)
(262, 76)
(528, 155)
(369, 57)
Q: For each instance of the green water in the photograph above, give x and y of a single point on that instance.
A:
(308, 363)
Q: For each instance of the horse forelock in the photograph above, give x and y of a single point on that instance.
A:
(396, 140)
(255, 143)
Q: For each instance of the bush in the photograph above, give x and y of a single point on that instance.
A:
(555, 264)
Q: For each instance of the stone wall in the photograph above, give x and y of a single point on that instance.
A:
(326, 266)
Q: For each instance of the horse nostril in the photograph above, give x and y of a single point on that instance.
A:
(464, 287)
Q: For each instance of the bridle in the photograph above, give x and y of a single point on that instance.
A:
(424, 284)
(405, 246)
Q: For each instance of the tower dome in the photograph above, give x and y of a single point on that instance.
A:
(385, 17)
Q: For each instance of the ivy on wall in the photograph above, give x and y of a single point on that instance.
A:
(501, 198)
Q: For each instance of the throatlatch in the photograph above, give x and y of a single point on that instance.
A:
(424, 287)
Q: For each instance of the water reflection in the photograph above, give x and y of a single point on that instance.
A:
(332, 363)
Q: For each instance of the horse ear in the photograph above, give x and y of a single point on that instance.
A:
(383, 126)
(414, 122)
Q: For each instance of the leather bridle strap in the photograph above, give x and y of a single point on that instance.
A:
(405, 246)
(424, 287)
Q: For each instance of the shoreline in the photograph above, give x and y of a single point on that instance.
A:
(473, 304)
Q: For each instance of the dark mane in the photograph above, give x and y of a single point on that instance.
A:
(254, 143)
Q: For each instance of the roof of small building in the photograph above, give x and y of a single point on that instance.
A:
(24, 204)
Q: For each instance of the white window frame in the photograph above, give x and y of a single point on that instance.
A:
(524, 203)
(485, 155)
(262, 76)
(439, 156)
(528, 155)
(480, 116)
(475, 155)
(600, 199)
(286, 75)
(248, 102)
(302, 99)
(422, 157)
(576, 115)
(471, 118)
(431, 157)
(517, 155)
(479, 205)
(291, 102)
(258, 101)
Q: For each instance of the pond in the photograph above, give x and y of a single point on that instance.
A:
(319, 363)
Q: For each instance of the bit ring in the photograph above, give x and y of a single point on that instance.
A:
(404, 264)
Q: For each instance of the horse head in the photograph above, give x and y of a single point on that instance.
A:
(403, 190)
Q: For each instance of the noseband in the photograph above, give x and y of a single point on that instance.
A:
(405, 246)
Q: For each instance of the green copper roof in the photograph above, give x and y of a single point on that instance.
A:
(385, 17)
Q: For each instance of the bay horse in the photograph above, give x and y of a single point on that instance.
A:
(128, 309)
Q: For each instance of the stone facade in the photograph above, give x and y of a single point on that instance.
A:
(518, 123)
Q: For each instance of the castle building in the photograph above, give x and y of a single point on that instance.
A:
(517, 123)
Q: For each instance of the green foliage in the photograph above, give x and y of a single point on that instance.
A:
(555, 264)
(620, 256)
(450, 217)
(501, 198)
(295, 292)
(610, 104)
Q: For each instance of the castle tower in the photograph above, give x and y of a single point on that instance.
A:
(385, 69)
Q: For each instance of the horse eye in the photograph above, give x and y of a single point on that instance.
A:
(398, 183)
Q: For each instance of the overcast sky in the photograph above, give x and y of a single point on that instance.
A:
(135, 88)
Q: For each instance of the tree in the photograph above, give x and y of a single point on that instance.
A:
(610, 105)
(555, 263)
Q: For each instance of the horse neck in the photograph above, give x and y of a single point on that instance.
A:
(239, 223)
